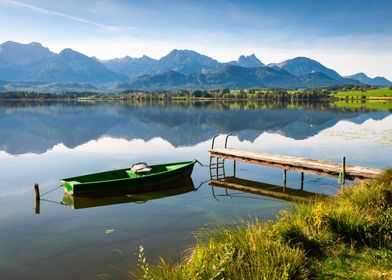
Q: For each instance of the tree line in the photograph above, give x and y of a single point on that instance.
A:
(274, 95)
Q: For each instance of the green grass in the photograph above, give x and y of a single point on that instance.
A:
(345, 236)
(374, 93)
(348, 263)
(379, 106)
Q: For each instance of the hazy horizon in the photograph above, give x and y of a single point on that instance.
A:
(349, 37)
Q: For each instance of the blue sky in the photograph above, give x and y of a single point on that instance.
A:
(349, 36)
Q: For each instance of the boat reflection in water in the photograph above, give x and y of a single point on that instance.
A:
(174, 188)
(260, 188)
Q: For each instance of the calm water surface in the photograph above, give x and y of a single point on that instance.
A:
(45, 142)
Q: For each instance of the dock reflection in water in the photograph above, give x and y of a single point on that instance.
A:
(260, 188)
(80, 202)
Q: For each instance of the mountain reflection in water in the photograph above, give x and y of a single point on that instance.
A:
(42, 142)
(35, 128)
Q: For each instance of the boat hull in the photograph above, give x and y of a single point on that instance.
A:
(98, 200)
(102, 183)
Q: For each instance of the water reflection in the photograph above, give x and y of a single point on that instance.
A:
(43, 142)
(79, 202)
(260, 188)
(35, 128)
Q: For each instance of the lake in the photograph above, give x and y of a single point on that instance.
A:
(45, 141)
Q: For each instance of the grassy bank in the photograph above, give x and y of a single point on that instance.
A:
(370, 104)
(376, 94)
(346, 236)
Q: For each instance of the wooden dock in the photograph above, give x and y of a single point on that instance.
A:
(302, 165)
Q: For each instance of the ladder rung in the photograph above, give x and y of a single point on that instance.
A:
(219, 164)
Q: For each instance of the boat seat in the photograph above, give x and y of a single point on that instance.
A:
(140, 167)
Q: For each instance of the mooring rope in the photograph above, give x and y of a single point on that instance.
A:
(201, 164)
(52, 201)
(50, 191)
(201, 184)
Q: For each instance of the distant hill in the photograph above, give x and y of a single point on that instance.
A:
(71, 66)
(377, 81)
(302, 65)
(230, 76)
(233, 77)
(33, 62)
(47, 87)
(15, 58)
(317, 79)
(131, 67)
(14, 53)
(182, 61)
(186, 62)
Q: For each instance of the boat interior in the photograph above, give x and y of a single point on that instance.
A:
(125, 173)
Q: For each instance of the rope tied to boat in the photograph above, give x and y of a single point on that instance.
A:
(52, 201)
(201, 164)
(201, 184)
(50, 191)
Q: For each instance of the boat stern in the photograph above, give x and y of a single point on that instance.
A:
(69, 186)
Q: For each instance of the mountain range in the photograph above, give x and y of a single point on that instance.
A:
(377, 81)
(24, 66)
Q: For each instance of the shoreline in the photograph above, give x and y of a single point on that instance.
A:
(344, 235)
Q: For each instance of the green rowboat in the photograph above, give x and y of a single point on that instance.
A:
(126, 180)
(175, 188)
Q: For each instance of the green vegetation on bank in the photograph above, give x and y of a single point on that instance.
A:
(346, 236)
(213, 94)
(365, 94)
(358, 104)
(346, 93)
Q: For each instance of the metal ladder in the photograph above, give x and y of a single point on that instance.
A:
(217, 166)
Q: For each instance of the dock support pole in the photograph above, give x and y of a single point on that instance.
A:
(37, 206)
(284, 179)
(344, 171)
(36, 189)
(302, 181)
(234, 168)
(37, 198)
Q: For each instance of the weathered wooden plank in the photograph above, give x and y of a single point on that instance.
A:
(297, 164)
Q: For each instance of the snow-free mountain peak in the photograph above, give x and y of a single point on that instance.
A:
(363, 78)
(299, 66)
(250, 61)
(17, 54)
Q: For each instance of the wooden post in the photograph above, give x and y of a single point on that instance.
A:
(284, 179)
(37, 198)
(234, 167)
(302, 181)
(36, 189)
(344, 171)
(37, 206)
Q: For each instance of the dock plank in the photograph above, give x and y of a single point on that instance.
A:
(296, 163)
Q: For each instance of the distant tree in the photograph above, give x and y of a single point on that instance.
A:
(226, 91)
(197, 93)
